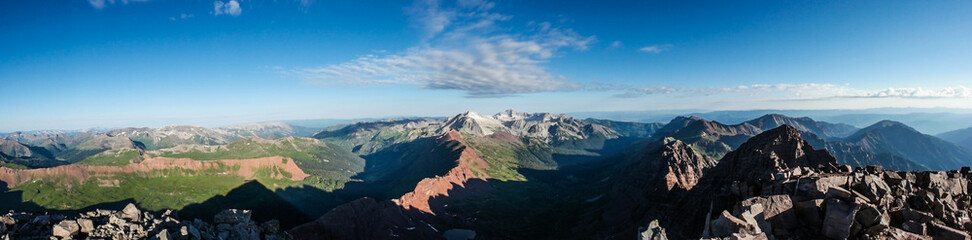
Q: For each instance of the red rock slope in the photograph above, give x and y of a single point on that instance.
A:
(247, 168)
(408, 217)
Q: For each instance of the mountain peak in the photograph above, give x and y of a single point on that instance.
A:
(885, 126)
(474, 123)
(777, 149)
(783, 132)
(890, 123)
(692, 118)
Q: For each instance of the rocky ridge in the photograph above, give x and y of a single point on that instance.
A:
(777, 186)
(133, 223)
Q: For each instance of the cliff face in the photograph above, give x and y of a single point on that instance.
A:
(645, 183)
(684, 165)
(410, 216)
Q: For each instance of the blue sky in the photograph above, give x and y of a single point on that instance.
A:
(113, 63)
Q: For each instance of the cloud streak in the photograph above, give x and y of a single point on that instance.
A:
(182, 16)
(948, 92)
(655, 48)
(805, 91)
(101, 4)
(464, 48)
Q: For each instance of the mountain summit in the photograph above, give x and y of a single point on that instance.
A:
(901, 140)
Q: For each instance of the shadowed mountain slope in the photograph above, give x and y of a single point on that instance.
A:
(961, 137)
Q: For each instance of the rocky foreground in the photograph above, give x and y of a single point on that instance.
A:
(132, 223)
(776, 186)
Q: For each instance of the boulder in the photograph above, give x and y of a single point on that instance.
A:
(838, 218)
(906, 214)
(930, 180)
(753, 215)
(892, 178)
(130, 212)
(777, 211)
(86, 225)
(818, 188)
(653, 232)
(896, 233)
(869, 216)
(65, 229)
(873, 188)
(163, 235)
(743, 236)
(194, 232)
(939, 231)
(273, 226)
(726, 225)
(42, 220)
(232, 216)
(809, 213)
(8, 220)
(840, 193)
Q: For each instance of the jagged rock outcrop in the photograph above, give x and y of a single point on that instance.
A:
(133, 223)
(644, 184)
(775, 186)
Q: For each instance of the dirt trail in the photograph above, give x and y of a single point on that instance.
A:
(246, 169)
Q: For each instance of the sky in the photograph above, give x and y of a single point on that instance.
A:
(118, 63)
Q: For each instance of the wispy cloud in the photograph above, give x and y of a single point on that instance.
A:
(617, 44)
(655, 48)
(100, 4)
(465, 49)
(804, 91)
(948, 92)
(182, 16)
(793, 90)
(231, 8)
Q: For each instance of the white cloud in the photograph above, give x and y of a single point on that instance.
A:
(100, 4)
(790, 90)
(231, 8)
(655, 48)
(948, 92)
(804, 91)
(617, 44)
(182, 16)
(464, 49)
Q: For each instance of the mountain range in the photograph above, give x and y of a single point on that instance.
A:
(509, 175)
